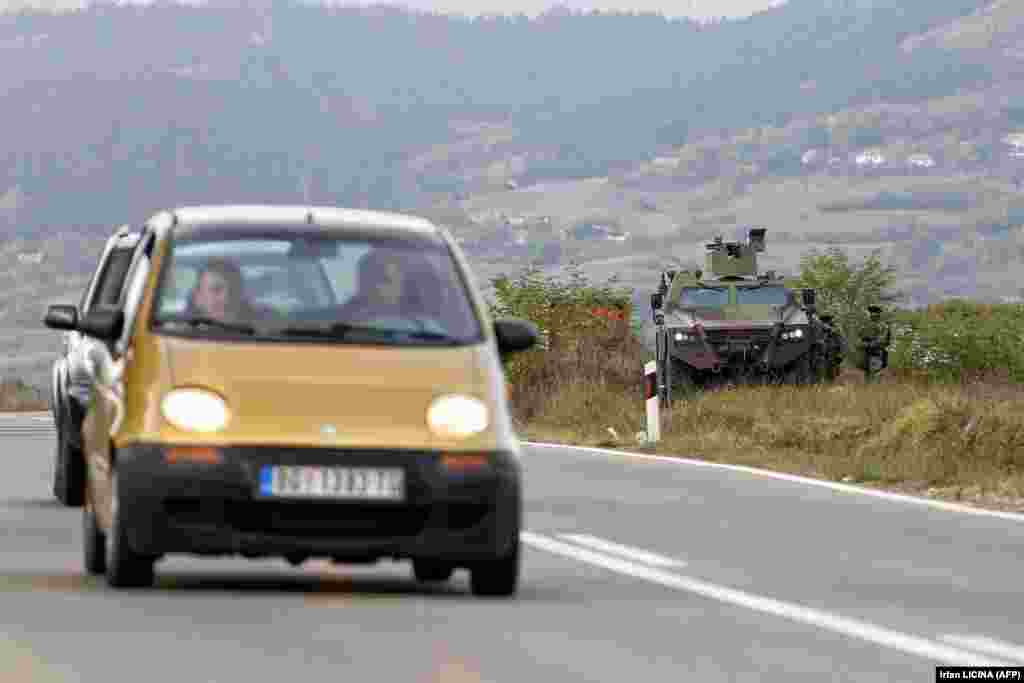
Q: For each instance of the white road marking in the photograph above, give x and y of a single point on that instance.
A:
(914, 645)
(835, 486)
(987, 645)
(628, 552)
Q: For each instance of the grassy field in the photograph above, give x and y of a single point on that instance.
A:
(957, 441)
(17, 396)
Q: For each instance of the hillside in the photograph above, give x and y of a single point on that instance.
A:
(934, 183)
(280, 100)
(620, 141)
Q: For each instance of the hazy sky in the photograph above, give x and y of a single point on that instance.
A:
(693, 8)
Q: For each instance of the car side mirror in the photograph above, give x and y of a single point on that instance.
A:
(61, 317)
(515, 334)
(103, 323)
(657, 300)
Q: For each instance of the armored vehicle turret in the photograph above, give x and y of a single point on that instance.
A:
(729, 323)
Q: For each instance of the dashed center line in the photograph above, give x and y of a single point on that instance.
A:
(628, 552)
(910, 644)
(987, 645)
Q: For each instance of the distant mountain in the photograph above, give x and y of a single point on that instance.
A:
(115, 111)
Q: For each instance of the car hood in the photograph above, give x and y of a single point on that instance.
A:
(288, 393)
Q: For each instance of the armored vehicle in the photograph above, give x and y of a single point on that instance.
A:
(730, 324)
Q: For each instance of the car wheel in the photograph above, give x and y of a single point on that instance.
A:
(125, 567)
(60, 479)
(432, 571)
(497, 577)
(93, 542)
(68, 471)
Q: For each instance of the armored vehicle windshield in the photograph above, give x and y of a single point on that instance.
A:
(703, 297)
(762, 295)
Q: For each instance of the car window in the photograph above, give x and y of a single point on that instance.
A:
(708, 297)
(135, 285)
(762, 295)
(108, 289)
(269, 279)
(394, 290)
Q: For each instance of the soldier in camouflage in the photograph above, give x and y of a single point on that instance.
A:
(875, 341)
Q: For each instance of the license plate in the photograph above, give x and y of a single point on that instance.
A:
(352, 483)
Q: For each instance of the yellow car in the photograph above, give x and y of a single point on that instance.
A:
(302, 382)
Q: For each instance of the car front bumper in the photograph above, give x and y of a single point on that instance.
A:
(216, 509)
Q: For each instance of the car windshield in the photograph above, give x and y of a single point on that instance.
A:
(762, 295)
(705, 297)
(327, 287)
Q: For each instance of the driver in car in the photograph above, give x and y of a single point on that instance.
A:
(387, 288)
(219, 292)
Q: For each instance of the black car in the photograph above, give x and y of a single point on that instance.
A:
(71, 377)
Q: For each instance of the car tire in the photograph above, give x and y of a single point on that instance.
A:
(125, 567)
(498, 577)
(432, 571)
(68, 471)
(93, 542)
(60, 479)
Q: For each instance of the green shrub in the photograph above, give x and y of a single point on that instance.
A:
(586, 333)
(961, 340)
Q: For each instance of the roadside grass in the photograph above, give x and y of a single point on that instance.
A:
(17, 396)
(906, 433)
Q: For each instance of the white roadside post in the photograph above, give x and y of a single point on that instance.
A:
(652, 400)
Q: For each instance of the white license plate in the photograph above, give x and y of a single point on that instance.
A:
(354, 483)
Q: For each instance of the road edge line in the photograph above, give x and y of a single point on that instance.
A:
(797, 479)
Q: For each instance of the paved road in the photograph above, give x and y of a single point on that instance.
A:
(635, 570)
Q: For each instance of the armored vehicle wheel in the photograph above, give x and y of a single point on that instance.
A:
(683, 385)
(801, 372)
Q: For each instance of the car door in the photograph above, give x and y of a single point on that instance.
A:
(105, 291)
(108, 362)
(63, 367)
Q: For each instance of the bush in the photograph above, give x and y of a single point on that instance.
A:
(961, 340)
(846, 289)
(586, 334)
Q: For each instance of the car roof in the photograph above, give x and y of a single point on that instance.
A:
(194, 220)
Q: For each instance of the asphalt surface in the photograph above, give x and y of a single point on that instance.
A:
(725, 576)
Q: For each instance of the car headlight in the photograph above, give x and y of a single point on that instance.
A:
(195, 410)
(685, 337)
(457, 416)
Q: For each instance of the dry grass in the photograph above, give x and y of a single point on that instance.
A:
(16, 396)
(960, 442)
